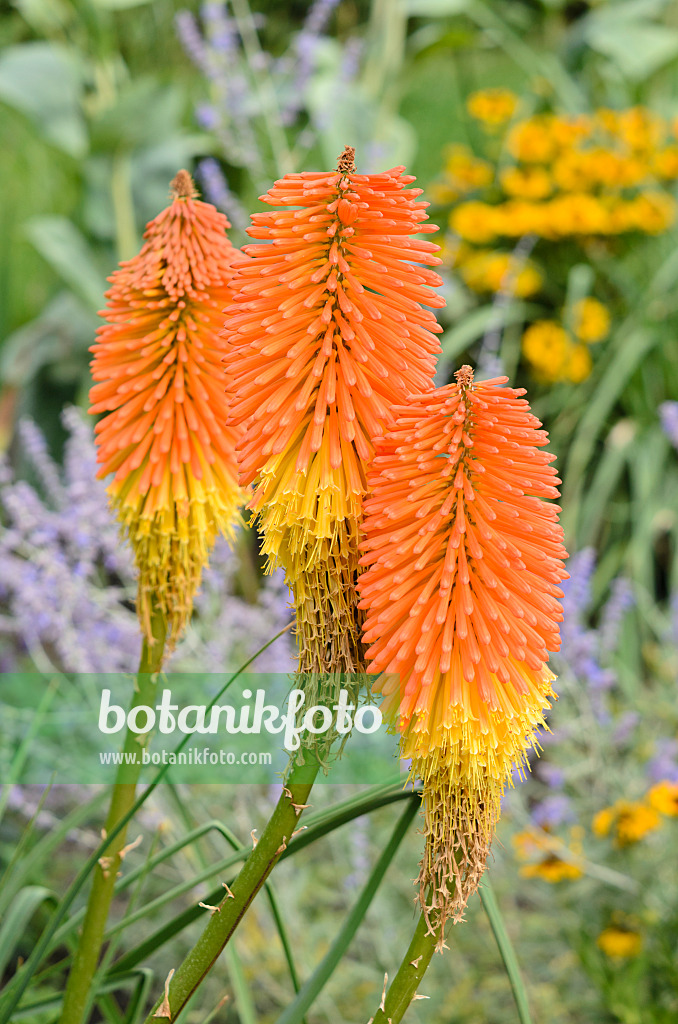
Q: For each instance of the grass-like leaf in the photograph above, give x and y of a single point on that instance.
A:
(16, 919)
(506, 950)
(23, 749)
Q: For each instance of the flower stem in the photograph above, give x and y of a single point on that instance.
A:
(404, 986)
(123, 206)
(77, 994)
(264, 85)
(256, 869)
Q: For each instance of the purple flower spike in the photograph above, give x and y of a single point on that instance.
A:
(553, 811)
(668, 413)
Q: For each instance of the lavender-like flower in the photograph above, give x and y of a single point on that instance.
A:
(619, 602)
(668, 414)
(302, 64)
(35, 448)
(207, 116)
(59, 547)
(664, 763)
(554, 810)
(222, 31)
(585, 652)
(580, 650)
(67, 582)
(318, 16)
(227, 630)
(248, 89)
(553, 776)
(191, 39)
(218, 192)
(625, 727)
(350, 59)
(216, 52)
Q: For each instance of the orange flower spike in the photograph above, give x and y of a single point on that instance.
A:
(464, 558)
(326, 333)
(160, 384)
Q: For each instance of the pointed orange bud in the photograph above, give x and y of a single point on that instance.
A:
(160, 382)
(464, 559)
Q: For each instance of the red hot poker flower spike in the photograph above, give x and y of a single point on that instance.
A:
(160, 382)
(326, 333)
(464, 559)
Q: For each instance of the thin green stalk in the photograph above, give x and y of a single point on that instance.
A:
(294, 1013)
(387, 38)
(403, 990)
(230, 911)
(268, 98)
(243, 1001)
(123, 206)
(506, 950)
(111, 946)
(323, 824)
(76, 996)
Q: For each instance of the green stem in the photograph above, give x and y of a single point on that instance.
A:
(77, 994)
(264, 85)
(256, 869)
(123, 206)
(294, 1013)
(422, 947)
(387, 36)
(406, 982)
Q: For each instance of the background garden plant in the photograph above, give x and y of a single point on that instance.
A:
(94, 126)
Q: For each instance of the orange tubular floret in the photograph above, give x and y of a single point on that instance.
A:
(463, 562)
(157, 368)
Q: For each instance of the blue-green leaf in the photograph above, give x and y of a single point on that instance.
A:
(45, 81)
(67, 251)
(637, 48)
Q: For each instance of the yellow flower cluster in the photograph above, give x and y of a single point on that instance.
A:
(492, 107)
(664, 798)
(627, 821)
(554, 353)
(464, 173)
(590, 320)
(600, 174)
(565, 215)
(526, 182)
(620, 943)
(561, 178)
(544, 855)
(486, 270)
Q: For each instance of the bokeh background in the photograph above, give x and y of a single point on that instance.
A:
(545, 135)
